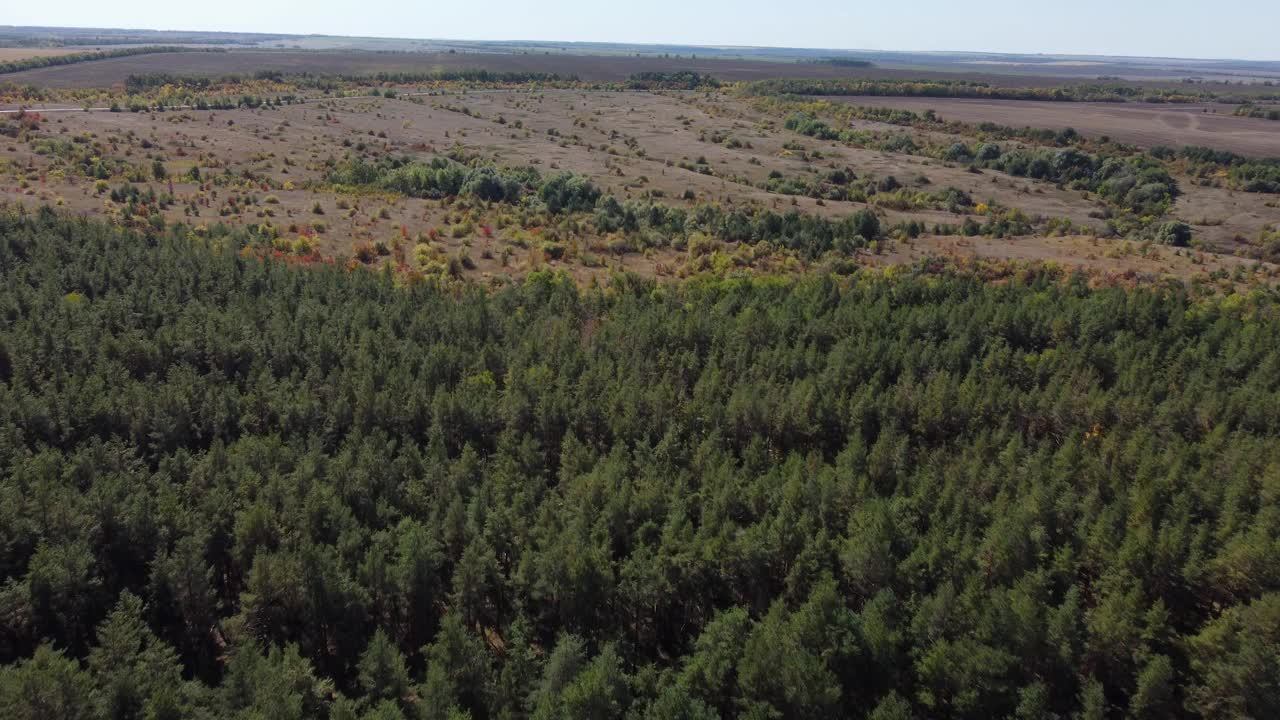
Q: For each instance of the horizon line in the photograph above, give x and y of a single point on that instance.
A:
(707, 45)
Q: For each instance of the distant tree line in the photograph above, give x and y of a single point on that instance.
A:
(976, 89)
(136, 83)
(680, 80)
(1255, 111)
(476, 75)
(844, 62)
(141, 83)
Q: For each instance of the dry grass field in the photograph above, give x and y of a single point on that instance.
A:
(633, 145)
(1145, 125)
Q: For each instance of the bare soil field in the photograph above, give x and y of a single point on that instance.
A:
(632, 145)
(11, 54)
(1145, 125)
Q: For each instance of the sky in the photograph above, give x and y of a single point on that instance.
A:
(1236, 29)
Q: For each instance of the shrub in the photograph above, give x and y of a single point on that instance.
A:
(553, 250)
(1175, 233)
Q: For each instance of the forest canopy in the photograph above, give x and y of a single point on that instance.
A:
(237, 488)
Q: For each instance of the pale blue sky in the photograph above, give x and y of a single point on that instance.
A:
(1242, 29)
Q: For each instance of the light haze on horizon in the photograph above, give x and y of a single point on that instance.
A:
(1227, 29)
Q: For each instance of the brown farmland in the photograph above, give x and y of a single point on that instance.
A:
(1145, 125)
(11, 54)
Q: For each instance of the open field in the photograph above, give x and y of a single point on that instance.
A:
(11, 54)
(633, 145)
(1205, 124)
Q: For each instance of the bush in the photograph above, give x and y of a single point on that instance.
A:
(1175, 233)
